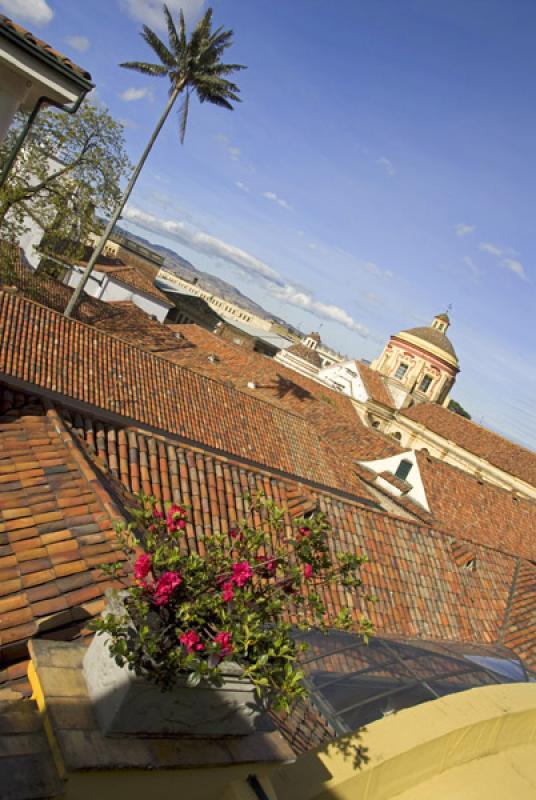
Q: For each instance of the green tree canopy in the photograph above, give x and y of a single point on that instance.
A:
(458, 409)
(70, 166)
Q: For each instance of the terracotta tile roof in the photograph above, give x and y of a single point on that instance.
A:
(127, 274)
(301, 350)
(420, 574)
(132, 324)
(475, 510)
(63, 356)
(424, 590)
(510, 457)
(519, 631)
(332, 413)
(42, 49)
(55, 528)
(14, 272)
(374, 385)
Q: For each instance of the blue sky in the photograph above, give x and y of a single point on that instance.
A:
(380, 167)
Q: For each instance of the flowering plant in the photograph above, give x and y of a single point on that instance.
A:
(234, 597)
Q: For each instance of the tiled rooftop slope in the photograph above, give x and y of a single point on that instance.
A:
(500, 452)
(43, 348)
(477, 510)
(424, 590)
(55, 529)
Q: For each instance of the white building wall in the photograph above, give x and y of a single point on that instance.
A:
(105, 288)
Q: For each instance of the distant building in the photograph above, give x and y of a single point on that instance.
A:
(222, 306)
(419, 364)
(114, 279)
(303, 357)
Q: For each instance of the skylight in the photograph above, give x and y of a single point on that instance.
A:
(353, 684)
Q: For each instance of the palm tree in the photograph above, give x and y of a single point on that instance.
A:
(190, 66)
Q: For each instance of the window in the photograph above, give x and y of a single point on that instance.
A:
(403, 469)
(425, 383)
(401, 371)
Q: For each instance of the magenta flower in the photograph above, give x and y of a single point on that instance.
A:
(157, 514)
(191, 641)
(233, 533)
(175, 518)
(305, 532)
(224, 641)
(308, 571)
(242, 573)
(228, 591)
(165, 586)
(143, 566)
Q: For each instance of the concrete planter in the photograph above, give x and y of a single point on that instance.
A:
(127, 704)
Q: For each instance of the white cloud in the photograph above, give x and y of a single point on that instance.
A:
(387, 165)
(210, 245)
(38, 12)
(80, 43)
(492, 249)
(150, 11)
(241, 186)
(301, 299)
(462, 229)
(135, 94)
(279, 200)
(202, 242)
(516, 267)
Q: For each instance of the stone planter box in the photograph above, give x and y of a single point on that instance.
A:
(127, 704)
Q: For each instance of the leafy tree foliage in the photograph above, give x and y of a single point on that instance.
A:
(458, 409)
(70, 166)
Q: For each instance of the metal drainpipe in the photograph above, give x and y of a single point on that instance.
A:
(28, 124)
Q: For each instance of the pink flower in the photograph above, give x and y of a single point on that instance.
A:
(191, 641)
(224, 641)
(143, 566)
(157, 514)
(305, 532)
(308, 570)
(175, 518)
(242, 573)
(165, 586)
(228, 591)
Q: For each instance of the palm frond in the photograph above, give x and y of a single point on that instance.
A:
(183, 111)
(165, 56)
(172, 34)
(183, 42)
(201, 32)
(148, 69)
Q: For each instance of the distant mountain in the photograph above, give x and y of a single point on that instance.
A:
(185, 269)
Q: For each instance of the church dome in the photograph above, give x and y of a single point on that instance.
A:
(433, 338)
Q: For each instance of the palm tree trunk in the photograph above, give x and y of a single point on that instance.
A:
(122, 203)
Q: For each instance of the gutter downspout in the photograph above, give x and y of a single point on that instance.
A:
(28, 124)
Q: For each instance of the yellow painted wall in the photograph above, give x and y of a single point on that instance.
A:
(467, 746)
